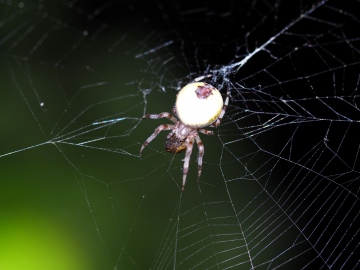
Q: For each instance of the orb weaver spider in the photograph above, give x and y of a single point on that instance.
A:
(198, 105)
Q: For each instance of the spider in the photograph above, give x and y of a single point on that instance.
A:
(198, 105)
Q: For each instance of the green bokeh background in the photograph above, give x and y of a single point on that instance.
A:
(64, 206)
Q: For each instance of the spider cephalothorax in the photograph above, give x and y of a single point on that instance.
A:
(175, 141)
(197, 105)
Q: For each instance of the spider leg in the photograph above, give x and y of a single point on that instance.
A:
(218, 121)
(161, 115)
(153, 136)
(174, 111)
(189, 146)
(200, 155)
(202, 77)
(205, 131)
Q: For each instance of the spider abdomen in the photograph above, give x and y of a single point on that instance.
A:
(198, 104)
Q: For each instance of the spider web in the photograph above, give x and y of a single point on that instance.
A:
(280, 179)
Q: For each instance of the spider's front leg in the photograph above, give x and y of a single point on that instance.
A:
(160, 128)
(189, 146)
(153, 136)
(161, 115)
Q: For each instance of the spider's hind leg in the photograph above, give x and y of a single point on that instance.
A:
(200, 155)
(218, 121)
(205, 131)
